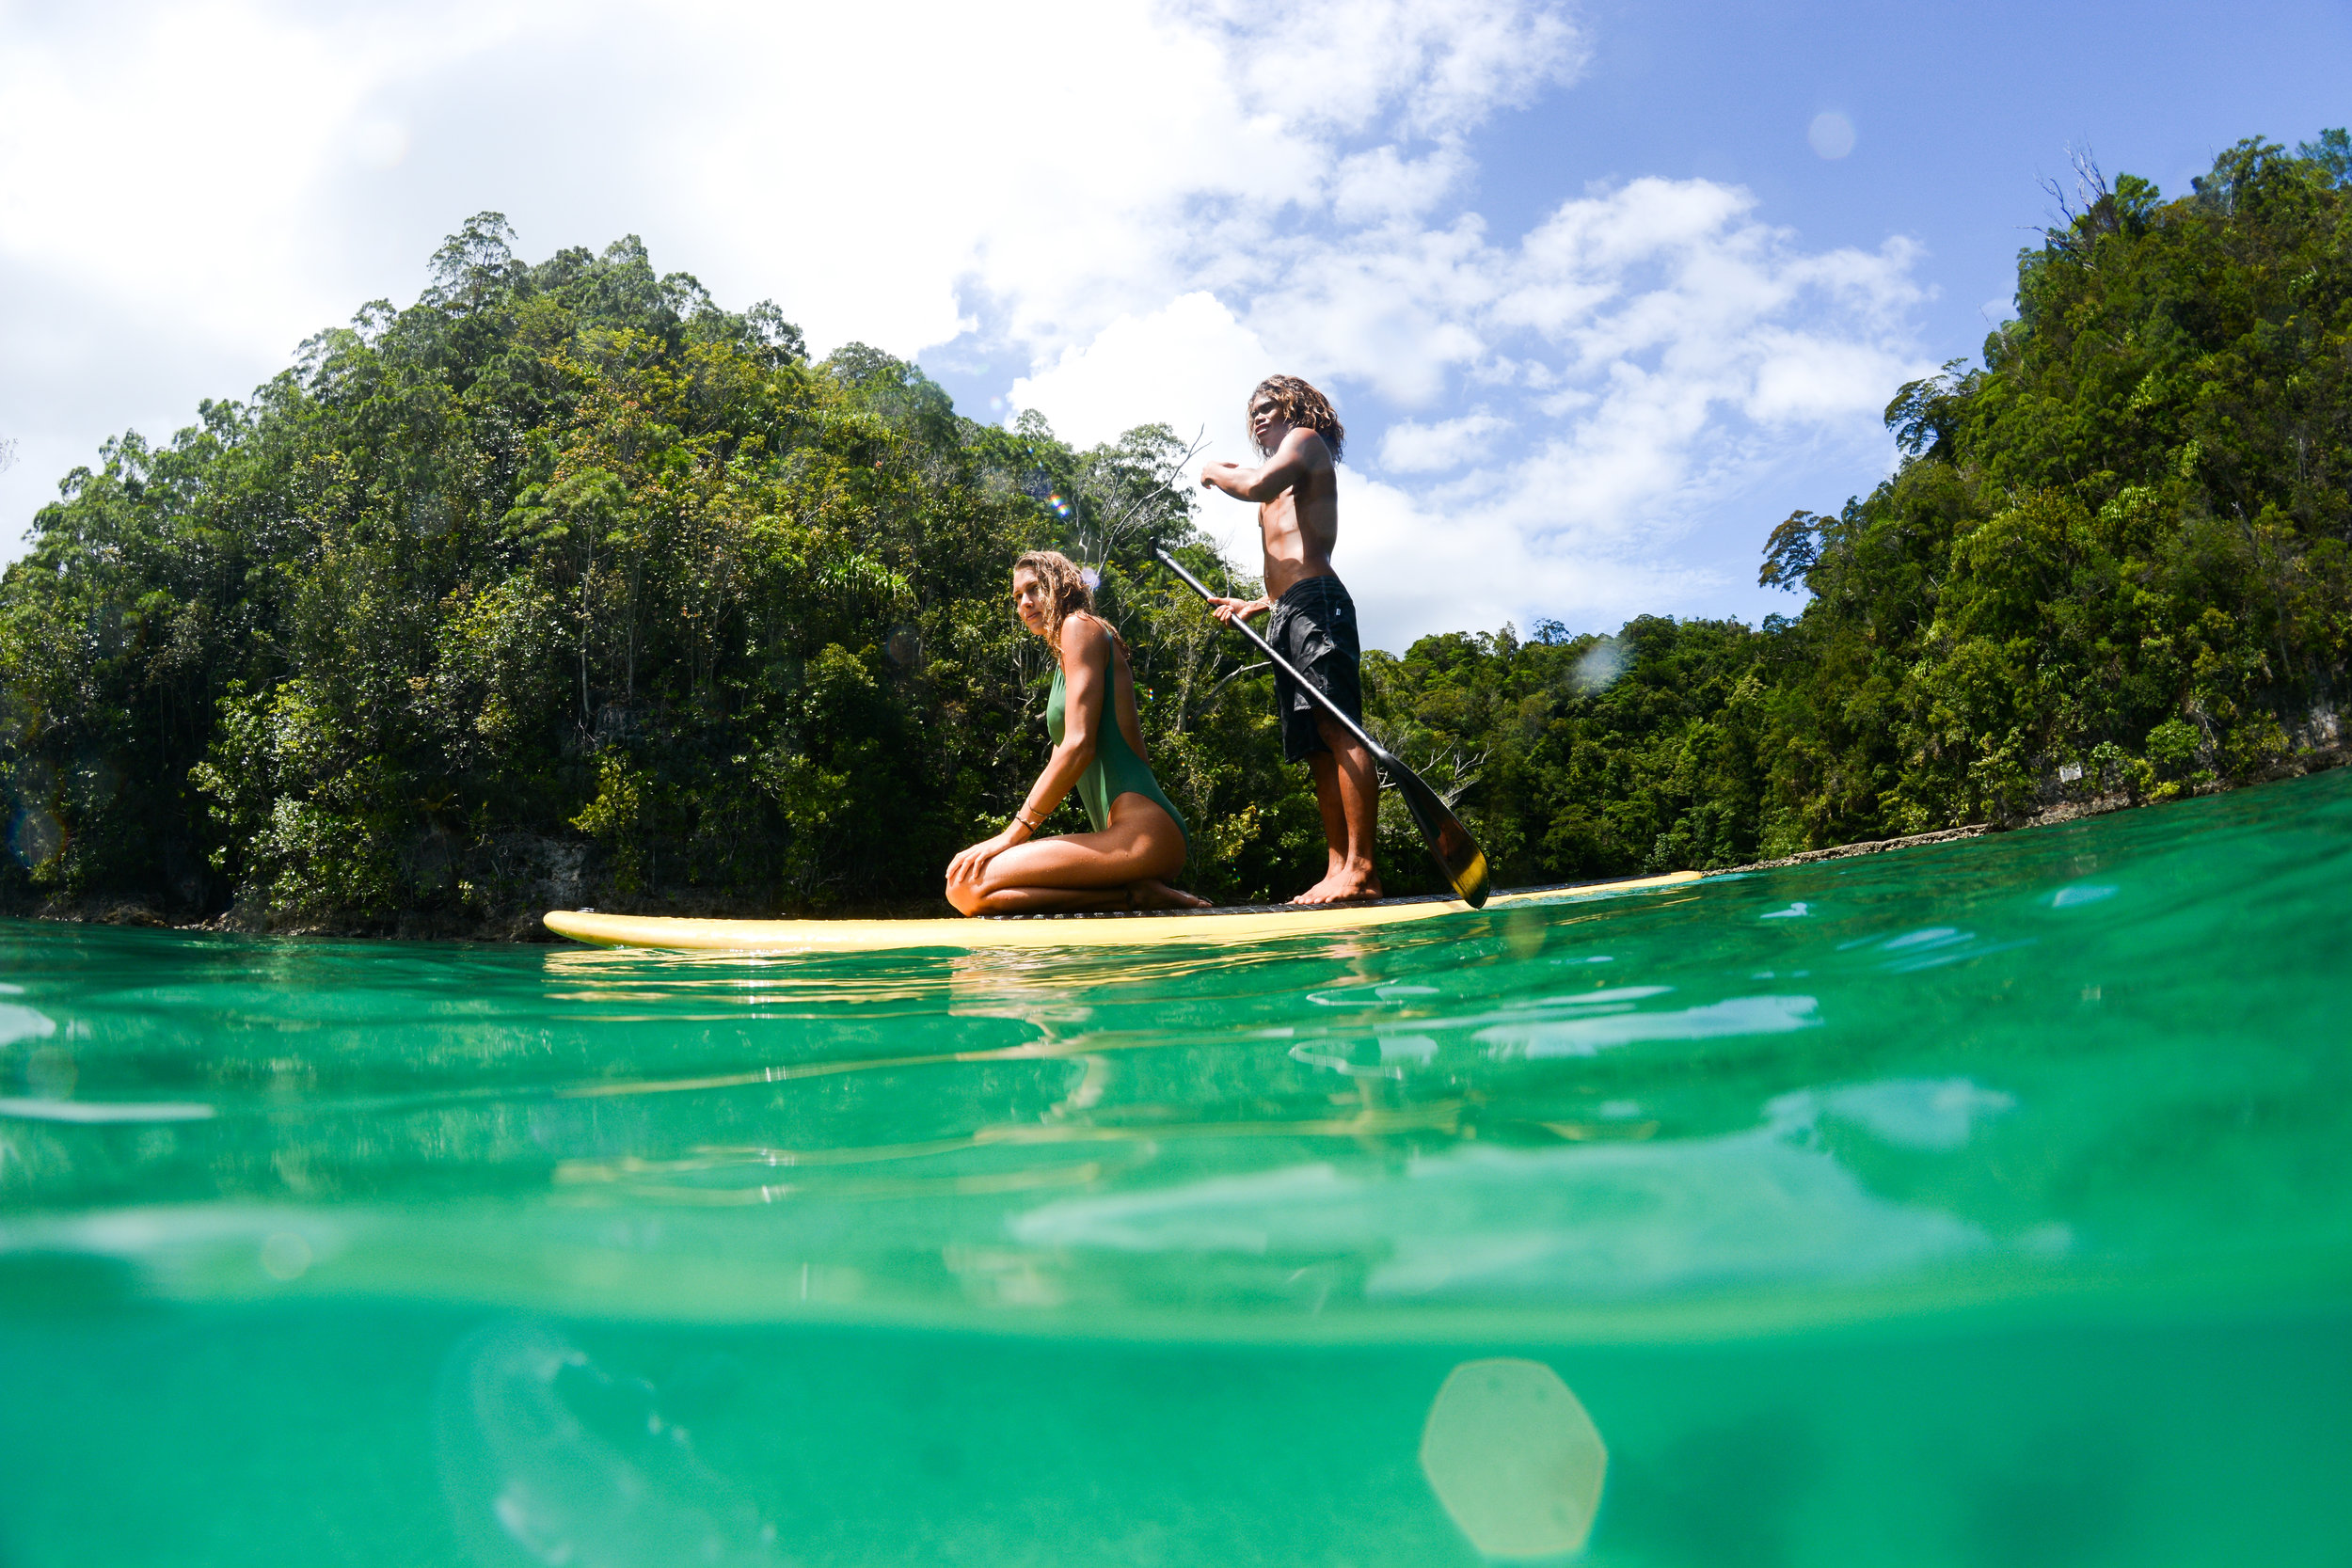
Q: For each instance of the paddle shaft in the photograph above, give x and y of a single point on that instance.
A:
(1450, 843)
(1323, 699)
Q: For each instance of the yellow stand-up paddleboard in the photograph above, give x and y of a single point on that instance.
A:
(1115, 928)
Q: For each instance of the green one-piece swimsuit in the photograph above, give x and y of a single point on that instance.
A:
(1116, 769)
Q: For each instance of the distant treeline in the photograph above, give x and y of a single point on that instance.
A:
(564, 584)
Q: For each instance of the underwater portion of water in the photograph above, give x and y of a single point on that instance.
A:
(1986, 1203)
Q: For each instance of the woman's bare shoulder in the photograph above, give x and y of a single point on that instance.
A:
(1082, 633)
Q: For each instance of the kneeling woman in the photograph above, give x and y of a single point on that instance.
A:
(1139, 840)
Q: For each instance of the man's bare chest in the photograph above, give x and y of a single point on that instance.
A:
(1279, 518)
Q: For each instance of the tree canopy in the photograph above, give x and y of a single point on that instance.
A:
(566, 584)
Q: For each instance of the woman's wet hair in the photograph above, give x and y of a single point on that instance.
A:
(1301, 404)
(1066, 589)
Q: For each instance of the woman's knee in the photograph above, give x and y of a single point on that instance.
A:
(965, 896)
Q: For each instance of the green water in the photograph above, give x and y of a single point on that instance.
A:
(1982, 1204)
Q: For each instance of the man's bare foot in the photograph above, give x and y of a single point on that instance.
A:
(1156, 894)
(1341, 887)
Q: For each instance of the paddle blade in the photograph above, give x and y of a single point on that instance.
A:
(1450, 843)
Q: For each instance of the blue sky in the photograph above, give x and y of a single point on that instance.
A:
(1959, 110)
(1959, 114)
(1595, 308)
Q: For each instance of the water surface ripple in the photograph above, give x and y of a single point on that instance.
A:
(2086, 1079)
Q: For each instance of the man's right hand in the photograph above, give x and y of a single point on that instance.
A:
(1225, 610)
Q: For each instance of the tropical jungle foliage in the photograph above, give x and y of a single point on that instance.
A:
(2113, 562)
(565, 585)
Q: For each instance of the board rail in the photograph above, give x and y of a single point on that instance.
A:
(1091, 928)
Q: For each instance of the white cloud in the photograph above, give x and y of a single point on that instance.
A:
(1188, 365)
(1411, 448)
(1659, 355)
(1417, 564)
(1383, 184)
(248, 111)
(1147, 206)
(1443, 66)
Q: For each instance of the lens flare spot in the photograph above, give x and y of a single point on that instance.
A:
(285, 1256)
(1830, 135)
(35, 837)
(1514, 1458)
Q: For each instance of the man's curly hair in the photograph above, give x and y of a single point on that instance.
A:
(1301, 404)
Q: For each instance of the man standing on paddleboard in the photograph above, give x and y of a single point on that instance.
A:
(1296, 489)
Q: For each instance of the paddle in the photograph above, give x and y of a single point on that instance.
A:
(1450, 843)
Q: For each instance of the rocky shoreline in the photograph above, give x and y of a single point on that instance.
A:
(542, 875)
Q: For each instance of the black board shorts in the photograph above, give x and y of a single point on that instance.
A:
(1314, 627)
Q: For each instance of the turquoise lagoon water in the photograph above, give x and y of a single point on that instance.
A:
(1988, 1203)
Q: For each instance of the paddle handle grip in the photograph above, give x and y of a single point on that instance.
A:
(1322, 698)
